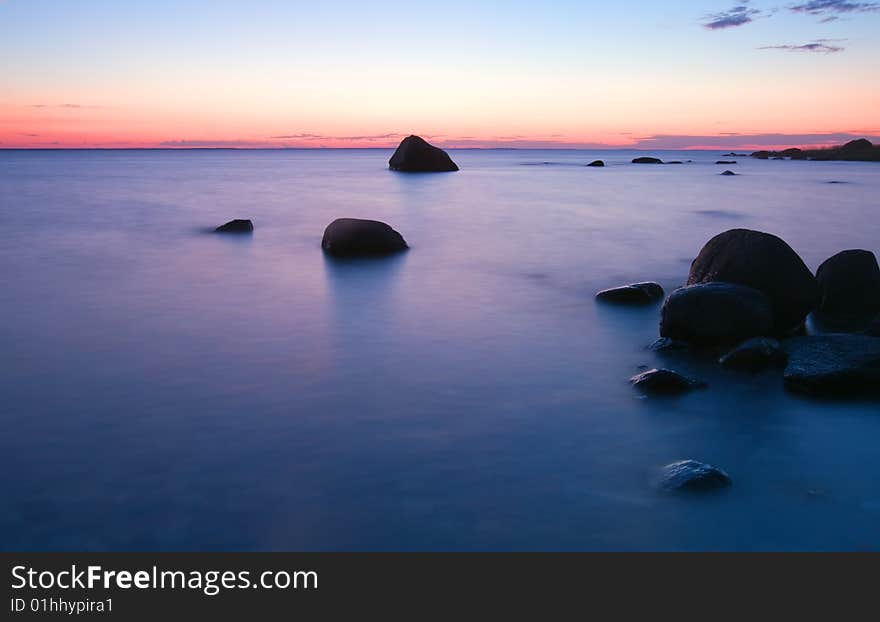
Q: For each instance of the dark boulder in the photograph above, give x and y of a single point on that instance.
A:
(763, 262)
(690, 475)
(352, 237)
(416, 155)
(726, 162)
(754, 355)
(833, 365)
(664, 382)
(596, 163)
(715, 313)
(849, 286)
(637, 293)
(646, 160)
(236, 226)
(728, 173)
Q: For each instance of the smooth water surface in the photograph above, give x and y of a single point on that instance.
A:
(165, 388)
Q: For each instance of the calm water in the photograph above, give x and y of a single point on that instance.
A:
(163, 388)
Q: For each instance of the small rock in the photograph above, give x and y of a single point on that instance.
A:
(754, 355)
(236, 226)
(665, 344)
(716, 313)
(636, 293)
(352, 237)
(833, 365)
(726, 162)
(691, 475)
(596, 163)
(646, 160)
(675, 162)
(664, 382)
(728, 173)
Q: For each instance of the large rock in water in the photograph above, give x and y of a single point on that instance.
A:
(833, 365)
(849, 285)
(636, 294)
(716, 313)
(664, 382)
(647, 160)
(690, 475)
(236, 226)
(351, 237)
(763, 262)
(416, 155)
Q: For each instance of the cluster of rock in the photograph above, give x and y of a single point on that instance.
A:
(748, 296)
(861, 150)
(354, 237)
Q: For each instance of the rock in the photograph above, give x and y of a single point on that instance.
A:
(854, 150)
(351, 237)
(716, 313)
(236, 226)
(728, 173)
(690, 475)
(637, 293)
(754, 355)
(664, 382)
(596, 163)
(849, 286)
(415, 155)
(646, 160)
(726, 162)
(763, 262)
(833, 365)
(675, 162)
(777, 158)
(665, 344)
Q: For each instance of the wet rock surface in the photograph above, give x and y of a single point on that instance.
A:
(664, 382)
(635, 293)
(755, 354)
(692, 476)
(834, 365)
(716, 313)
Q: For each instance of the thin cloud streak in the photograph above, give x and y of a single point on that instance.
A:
(732, 18)
(822, 46)
(821, 7)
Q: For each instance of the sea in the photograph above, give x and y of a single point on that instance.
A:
(164, 388)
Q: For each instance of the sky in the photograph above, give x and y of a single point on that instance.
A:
(347, 73)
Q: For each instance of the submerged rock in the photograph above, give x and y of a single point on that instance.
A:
(691, 475)
(647, 160)
(236, 226)
(726, 162)
(636, 293)
(416, 155)
(713, 313)
(754, 355)
(728, 173)
(596, 163)
(675, 162)
(833, 365)
(664, 382)
(849, 285)
(763, 262)
(352, 237)
(665, 344)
